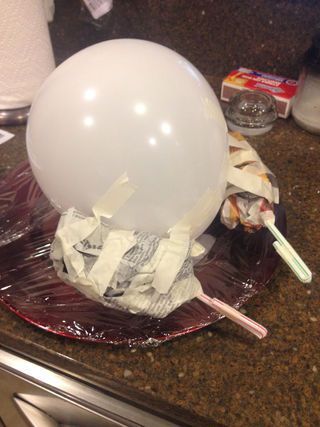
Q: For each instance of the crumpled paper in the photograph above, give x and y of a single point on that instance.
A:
(128, 270)
(252, 188)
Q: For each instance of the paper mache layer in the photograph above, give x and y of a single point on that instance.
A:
(140, 272)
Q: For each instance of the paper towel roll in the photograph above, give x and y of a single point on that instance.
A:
(26, 56)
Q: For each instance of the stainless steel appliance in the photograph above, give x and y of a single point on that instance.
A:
(32, 394)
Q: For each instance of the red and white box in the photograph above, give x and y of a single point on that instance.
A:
(281, 88)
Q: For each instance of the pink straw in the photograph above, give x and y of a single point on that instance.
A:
(234, 315)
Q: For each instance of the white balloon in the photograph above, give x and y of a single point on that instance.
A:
(137, 107)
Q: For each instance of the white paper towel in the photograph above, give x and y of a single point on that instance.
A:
(26, 56)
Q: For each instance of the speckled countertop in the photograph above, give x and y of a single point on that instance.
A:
(220, 374)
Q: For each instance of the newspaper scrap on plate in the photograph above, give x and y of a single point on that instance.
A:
(252, 188)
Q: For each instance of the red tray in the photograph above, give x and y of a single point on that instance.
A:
(238, 266)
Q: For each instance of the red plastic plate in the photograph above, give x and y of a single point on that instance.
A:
(239, 265)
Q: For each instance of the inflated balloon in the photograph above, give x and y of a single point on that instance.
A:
(134, 107)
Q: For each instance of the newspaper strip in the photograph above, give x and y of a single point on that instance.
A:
(120, 268)
(252, 188)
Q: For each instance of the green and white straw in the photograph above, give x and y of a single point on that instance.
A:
(289, 255)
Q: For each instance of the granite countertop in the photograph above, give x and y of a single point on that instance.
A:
(221, 374)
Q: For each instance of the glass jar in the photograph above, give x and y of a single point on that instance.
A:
(251, 112)
(306, 109)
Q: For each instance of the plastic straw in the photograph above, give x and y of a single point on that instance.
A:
(234, 315)
(289, 255)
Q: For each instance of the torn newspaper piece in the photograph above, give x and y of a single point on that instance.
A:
(128, 270)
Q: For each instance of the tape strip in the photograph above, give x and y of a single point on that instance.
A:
(69, 233)
(239, 143)
(176, 250)
(249, 182)
(199, 214)
(115, 246)
(197, 249)
(254, 169)
(115, 197)
(243, 156)
(263, 169)
(232, 189)
(73, 233)
(275, 190)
